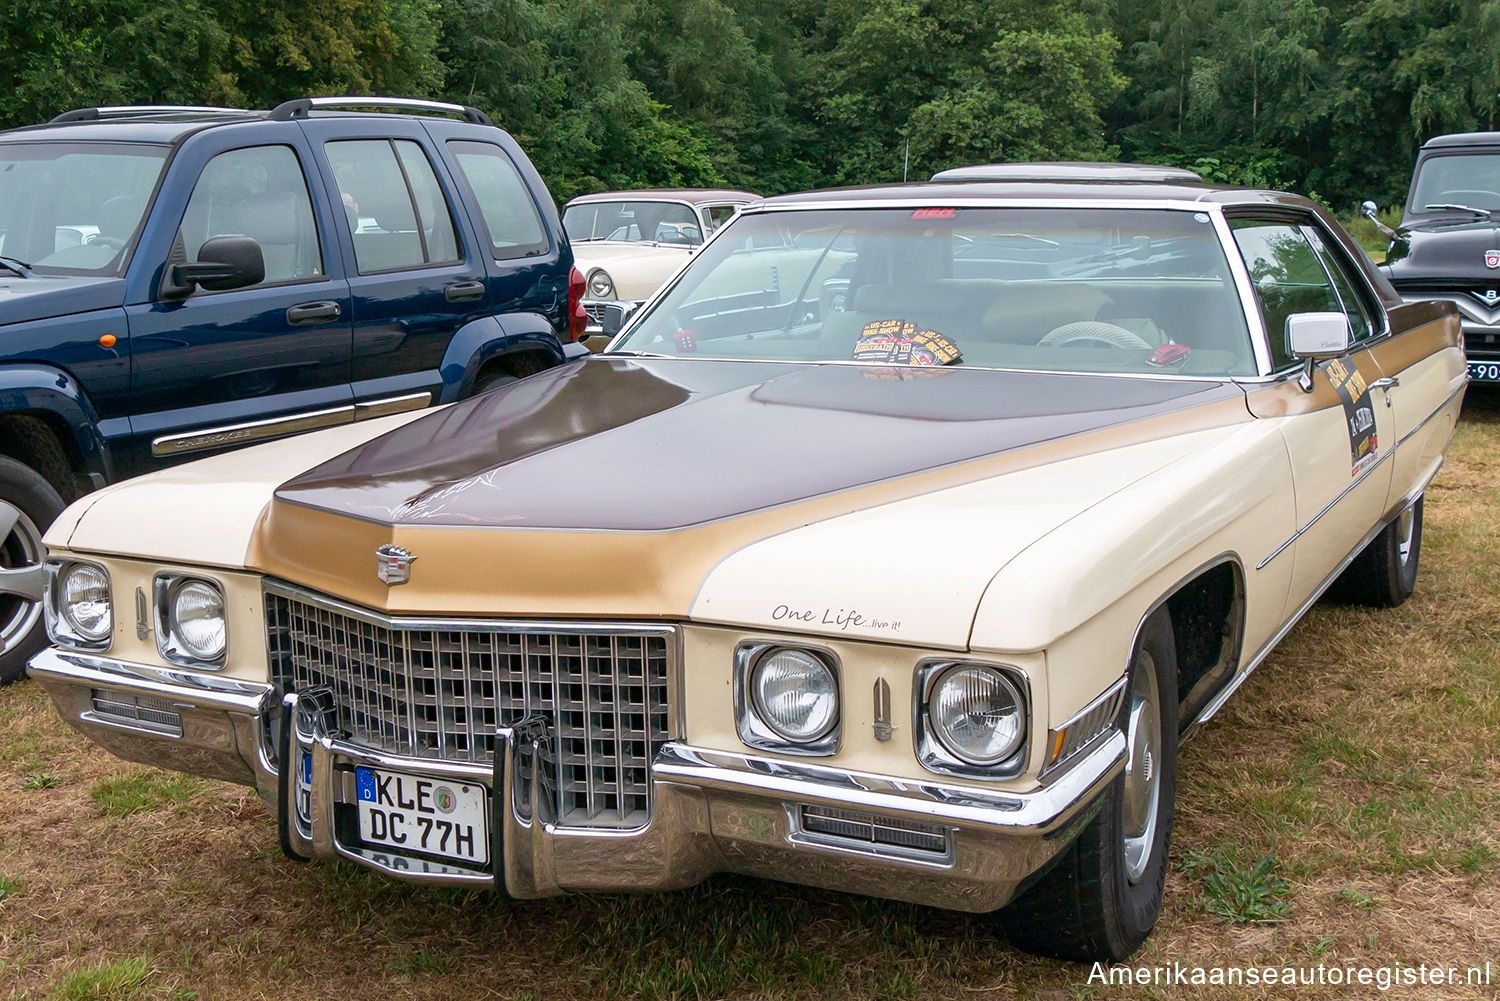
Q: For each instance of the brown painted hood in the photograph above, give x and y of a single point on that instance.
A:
(646, 444)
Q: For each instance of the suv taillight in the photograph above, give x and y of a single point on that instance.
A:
(578, 320)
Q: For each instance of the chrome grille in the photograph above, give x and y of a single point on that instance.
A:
(439, 690)
(595, 311)
(144, 712)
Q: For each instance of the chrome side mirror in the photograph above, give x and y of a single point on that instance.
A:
(1368, 209)
(1316, 337)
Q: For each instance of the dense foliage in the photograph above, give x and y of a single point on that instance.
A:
(1330, 97)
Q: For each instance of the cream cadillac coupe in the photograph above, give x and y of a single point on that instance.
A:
(892, 548)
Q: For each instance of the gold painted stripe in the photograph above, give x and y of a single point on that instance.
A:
(489, 570)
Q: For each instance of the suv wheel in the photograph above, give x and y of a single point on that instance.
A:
(29, 504)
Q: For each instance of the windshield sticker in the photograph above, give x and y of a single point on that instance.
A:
(1359, 413)
(900, 342)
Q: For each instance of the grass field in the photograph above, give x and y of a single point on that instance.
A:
(1342, 811)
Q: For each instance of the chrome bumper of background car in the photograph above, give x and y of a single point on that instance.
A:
(927, 842)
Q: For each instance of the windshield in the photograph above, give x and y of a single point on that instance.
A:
(633, 222)
(75, 208)
(1065, 290)
(1471, 179)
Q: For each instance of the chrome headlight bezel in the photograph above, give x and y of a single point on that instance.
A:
(935, 754)
(599, 285)
(62, 626)
(754, 729)
(165, 589)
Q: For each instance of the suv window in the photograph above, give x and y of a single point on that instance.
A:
(510, 217)
(1287, 276)
(75, 207)
(258, 192)
(397, 214)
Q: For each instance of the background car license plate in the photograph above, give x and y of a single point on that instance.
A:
(414, 813)
(1484, 371)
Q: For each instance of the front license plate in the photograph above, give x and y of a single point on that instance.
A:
(1484, 371)
(413, 813)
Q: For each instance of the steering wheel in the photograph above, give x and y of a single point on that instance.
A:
(1094, 332)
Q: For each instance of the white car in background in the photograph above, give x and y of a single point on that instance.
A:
(627, 243)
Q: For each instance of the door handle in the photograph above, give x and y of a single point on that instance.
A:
(1388, 383)
(463, 291)
(313, 312)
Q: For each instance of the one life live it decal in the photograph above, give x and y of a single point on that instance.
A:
(899, 342)
(1359, 413)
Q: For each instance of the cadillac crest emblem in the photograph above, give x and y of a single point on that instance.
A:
(393, 564)
(1492, 258)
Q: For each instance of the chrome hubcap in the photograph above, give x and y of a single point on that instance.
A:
(1404, 525)
(22, 578)
(1142, 793)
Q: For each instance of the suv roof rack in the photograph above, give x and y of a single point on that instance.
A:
(302, 106)
(141, 111)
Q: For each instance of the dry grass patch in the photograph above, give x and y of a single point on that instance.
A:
(1341, 810)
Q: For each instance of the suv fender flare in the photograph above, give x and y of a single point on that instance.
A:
(482, 340)
(48, 390)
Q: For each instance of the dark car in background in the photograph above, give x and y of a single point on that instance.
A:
(1448, 243)
(176, 281)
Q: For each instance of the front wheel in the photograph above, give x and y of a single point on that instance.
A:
(29, 505)
(1101, 899)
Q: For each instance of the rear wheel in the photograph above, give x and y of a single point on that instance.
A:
(29, 505)
(1102, 897)
(1384, 574)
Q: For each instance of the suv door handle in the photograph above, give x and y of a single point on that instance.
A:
(463, 291)
(313, 312)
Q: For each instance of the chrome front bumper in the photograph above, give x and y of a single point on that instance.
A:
(711, 810)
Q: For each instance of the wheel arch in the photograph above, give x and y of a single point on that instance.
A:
(525, 341)
(48, 423)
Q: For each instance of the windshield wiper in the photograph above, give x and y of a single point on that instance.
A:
(19, 267)
(1453, 207)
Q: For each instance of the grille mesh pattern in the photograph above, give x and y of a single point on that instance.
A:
(438, 693)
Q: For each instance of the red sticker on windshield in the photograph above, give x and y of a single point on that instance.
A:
(935, 214)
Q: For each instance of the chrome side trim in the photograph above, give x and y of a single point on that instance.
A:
(1342, 494)
(273, 427)
(1327, 507)
(391, 405)
(1265, 651)
(241, 434)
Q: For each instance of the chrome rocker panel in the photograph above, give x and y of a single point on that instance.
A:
(712, 810)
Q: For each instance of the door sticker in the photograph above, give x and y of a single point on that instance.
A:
(1359, 413)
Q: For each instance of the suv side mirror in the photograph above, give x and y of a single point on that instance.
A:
(1316, 337)
(224, 263)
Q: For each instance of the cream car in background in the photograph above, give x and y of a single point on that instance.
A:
(903, 575)
(627, 243)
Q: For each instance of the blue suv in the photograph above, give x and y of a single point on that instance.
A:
(177, 281)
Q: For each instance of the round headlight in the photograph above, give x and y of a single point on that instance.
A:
(976, 713)
(795, 694)
(601, 286)
(198, 620)
(85, 601)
